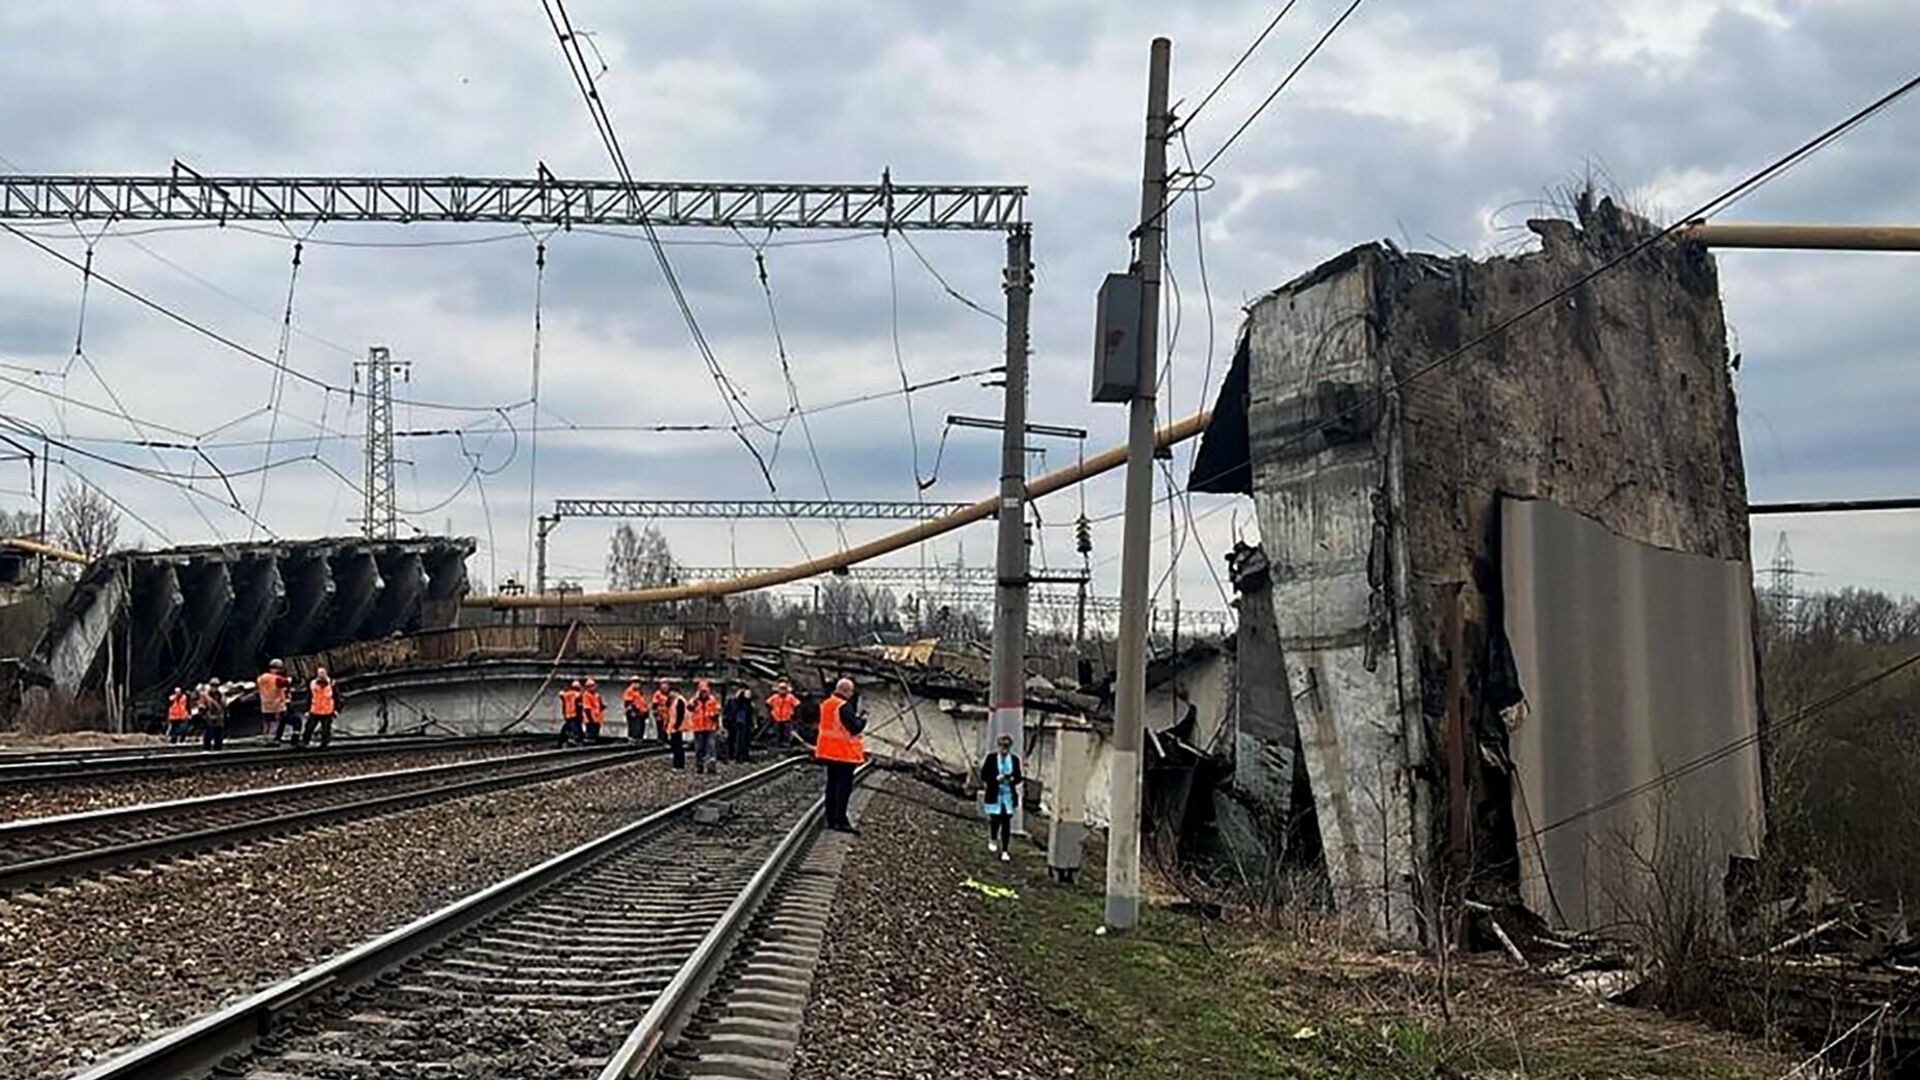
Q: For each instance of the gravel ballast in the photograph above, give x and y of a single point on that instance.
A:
(49, 799)
(910, 984)
(100, 966)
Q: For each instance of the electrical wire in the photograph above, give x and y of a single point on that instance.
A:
(533, 447)
(215, 335)
(920, 483)
(1255, 114)
(795, 409)
(1707, 209)
(556, 12)
(1244, 57)
(1726, 750)
(947, 286)
(279, 379)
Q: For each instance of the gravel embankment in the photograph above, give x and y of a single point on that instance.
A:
(46, 800)
(910, 984)
(90, 968)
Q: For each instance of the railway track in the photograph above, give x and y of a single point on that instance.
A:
(38, 850)
(589, 965)
(61, 766)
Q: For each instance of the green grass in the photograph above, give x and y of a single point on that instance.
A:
(1182, 998)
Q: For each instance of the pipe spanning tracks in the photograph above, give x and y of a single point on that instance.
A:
(58, 766)
(37, 850)
(544, 974)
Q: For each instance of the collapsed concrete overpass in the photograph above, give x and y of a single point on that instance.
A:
(140, 622)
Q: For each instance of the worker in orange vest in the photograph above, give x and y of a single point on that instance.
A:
(670, 712)
(320, 710)
(839, 746)
(781, 706)
(593, 710)
(570, 714)
(177, 715)
(276, 689)
(703, 718)
(633, 701)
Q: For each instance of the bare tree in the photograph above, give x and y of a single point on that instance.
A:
(85, 521)
(20, 523)
(639, 560)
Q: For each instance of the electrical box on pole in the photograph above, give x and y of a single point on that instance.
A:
(1116, 339)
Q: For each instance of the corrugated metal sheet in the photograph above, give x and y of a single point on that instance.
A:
(1637, 663)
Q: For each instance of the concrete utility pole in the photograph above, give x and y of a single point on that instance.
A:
(1130, 671)
(1007, 679)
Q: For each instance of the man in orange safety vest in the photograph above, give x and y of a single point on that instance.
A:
(781, 706)
(703, 719)
(570, 714)
(841, 748)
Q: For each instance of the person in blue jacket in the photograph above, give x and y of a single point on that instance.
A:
(1000, 780)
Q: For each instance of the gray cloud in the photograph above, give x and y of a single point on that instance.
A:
(1415, 123)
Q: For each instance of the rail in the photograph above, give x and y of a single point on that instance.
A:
(204, 1044)
(70, 844)
(40, 767)
(646, 1047)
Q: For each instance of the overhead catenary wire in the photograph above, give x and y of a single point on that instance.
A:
(1245, 55)
(1265, 103)
(795, 408)
(1707, 209)
(1726, 750)
(279, 379)
(222, 339)
(578, 68)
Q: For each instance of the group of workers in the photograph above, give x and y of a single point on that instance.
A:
(714, 729)
(206, 708)
(727, 728)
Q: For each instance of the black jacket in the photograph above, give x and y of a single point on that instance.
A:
(990, 773)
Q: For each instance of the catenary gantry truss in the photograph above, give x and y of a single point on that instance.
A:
(742, 509)
(541, 199)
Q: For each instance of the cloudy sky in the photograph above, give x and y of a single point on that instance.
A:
(1442, 126)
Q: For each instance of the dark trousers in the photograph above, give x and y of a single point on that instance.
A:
(176, 731)
(740, 740)
(213, 736)
(274, 725)
(679, 744)
(593, 731)
(321, 724)
(636, 724)
(570, 731)
(839, 790)
(1000, 830)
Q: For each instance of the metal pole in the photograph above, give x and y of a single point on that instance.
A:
(542, 526)
(1007, 679)
(46, 456)
(1130, 670)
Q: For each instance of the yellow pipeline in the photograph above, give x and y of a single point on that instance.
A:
(1106, 460)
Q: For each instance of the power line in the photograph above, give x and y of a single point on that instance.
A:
(1727, 750)
(1707, 209)
(1197, 174)
(963, 299)
(1244, 57)
(279, 377)
(556, 11)
(214, 335)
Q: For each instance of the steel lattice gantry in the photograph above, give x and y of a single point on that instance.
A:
(542, 199)
(740, 509)
(879, 575)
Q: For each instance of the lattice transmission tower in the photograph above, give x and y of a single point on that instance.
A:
(380, 518)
